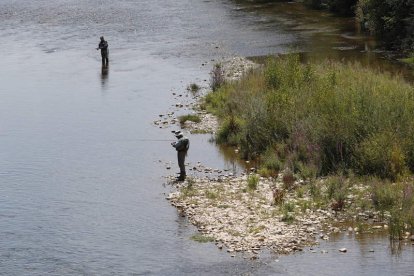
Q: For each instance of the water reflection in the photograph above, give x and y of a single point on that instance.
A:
(396, 247)
(104, 75)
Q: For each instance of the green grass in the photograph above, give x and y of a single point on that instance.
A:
(210, 194)
(409, 60)
(194, 88)
(200, 131)
(189, 117)
(252, 182)
(288, 212)
(201, 238)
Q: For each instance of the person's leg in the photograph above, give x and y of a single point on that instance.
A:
(106, 54)
(181, 160)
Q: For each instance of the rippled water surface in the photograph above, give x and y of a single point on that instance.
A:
(81, 188)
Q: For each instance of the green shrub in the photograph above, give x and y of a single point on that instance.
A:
(396, 224)
(336, 188)
(252, 182)
(265, 172)
(307, 171)
(380, 153)
(385, 196)
(217, 77)
(229, 131)
(194, 88)
(315, 191)
(189, 117)
(288, 180)
(270, 162)
(287, 211)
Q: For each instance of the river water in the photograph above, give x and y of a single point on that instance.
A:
(82, 189)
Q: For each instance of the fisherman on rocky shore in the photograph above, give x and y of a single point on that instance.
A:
(182, 146)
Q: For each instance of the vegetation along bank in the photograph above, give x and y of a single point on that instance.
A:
(331, 127)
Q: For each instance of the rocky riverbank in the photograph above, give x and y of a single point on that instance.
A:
(245, 220)
(241, 217)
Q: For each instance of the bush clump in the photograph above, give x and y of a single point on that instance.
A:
(193, 87)
(189, 117)
(252, 182)
(319, 119)
(217, 77)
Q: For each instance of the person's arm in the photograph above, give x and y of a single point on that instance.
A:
(181, 145)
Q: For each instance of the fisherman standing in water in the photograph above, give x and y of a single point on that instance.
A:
(103, 45)
(182, 146)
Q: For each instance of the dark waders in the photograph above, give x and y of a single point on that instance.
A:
(104, 55)
(181, 159)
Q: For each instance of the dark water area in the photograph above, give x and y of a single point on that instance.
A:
(82, 192)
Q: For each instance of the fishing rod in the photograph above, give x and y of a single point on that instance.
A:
(154, 140)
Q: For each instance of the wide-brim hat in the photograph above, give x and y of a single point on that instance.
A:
(178, 133)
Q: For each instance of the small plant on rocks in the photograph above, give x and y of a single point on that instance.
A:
(288, 215)
(193, 87)
(278, 196)
(201, 238)
(190, 181)
(252, 182)
(189, 117)
(288, 180)
(217, 77)
(211, 194)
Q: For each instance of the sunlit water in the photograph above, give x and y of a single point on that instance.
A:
(81, 187)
